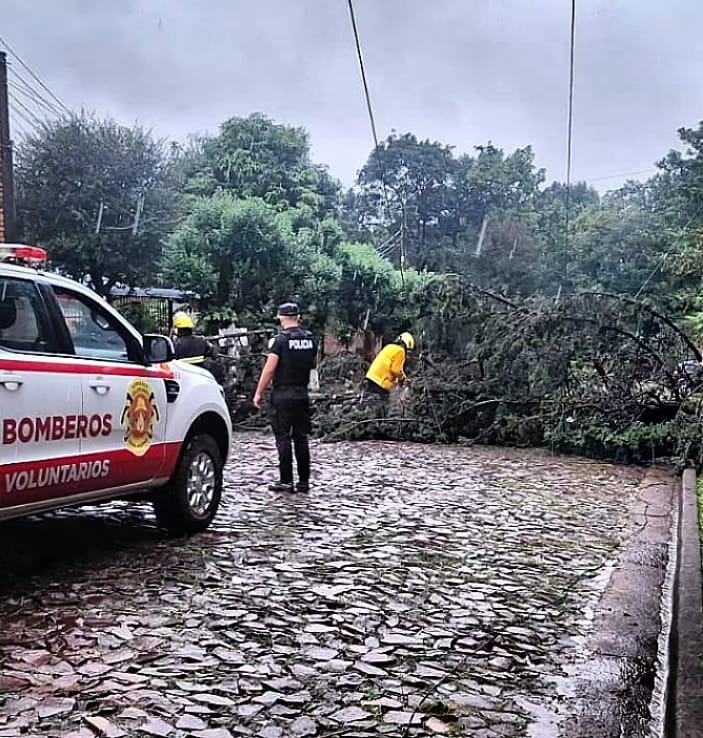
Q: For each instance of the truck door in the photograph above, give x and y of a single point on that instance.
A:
(40, 401)
(124, 400)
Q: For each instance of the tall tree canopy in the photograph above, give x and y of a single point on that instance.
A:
(246, 217)
(256, 157)
(99, 196)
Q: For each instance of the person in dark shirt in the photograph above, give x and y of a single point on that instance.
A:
(188, 347)
(293, 354)
(194, 349)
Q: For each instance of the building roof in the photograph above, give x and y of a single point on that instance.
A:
(156, 293)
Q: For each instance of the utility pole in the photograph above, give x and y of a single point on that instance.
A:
(481, 236)
(100, 217)
(7, 185)
(138, 214)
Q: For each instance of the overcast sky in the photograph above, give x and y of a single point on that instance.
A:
(458, 71)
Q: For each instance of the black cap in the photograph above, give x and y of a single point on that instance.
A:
(289, 309)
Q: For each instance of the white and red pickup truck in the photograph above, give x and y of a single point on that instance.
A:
(92, 410)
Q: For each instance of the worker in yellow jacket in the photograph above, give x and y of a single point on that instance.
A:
(387, 370)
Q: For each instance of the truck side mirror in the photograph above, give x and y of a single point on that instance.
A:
(157, 349)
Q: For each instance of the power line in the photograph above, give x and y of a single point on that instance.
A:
(388, 245)
(661, 261)
(623, 174)
(18, 128)
(569, 141)
(33, 75)
(372, 121)
(21, 81)
(30, 100)
(363, 73)
(19, 114)
(15, 102)
(18, 82)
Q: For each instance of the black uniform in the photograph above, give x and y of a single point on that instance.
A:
(193, 347)
(296, 349)
(197, 350)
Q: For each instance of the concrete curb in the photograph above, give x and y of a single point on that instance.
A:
(684, 717)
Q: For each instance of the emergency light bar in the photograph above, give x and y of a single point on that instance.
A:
(20, 253)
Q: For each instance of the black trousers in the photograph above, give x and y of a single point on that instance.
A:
(290, 420)
(374, 398)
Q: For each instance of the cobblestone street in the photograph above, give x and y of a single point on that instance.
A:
(415, 591)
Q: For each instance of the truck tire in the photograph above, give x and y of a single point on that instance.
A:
(190, 501)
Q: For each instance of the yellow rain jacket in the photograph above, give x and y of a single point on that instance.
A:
(387, 368)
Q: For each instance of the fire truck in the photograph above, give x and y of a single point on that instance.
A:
(91, 410)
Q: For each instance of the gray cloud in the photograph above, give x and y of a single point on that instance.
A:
(460, 71)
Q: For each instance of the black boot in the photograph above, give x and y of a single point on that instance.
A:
(281, 487)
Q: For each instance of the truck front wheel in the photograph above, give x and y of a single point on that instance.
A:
(190, 501)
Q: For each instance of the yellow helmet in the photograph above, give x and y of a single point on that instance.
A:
(182, 320)
(408, 340)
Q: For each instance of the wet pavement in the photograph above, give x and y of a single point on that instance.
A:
(415, 591)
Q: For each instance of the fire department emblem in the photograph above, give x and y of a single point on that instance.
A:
(139, 417)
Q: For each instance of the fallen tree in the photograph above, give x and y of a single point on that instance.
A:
(596, 374)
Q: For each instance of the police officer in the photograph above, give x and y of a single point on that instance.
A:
(190, 348)
(293, 354)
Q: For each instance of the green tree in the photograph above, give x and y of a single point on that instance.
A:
(256, 157)
(497, 195)
(678, 187)
(190, 169)
(312, 268)
(248, 256)
(98, 196)
(616, 250)
(404, 188)
(555, 252)
(369, 288)
(492, 181)
(415, 198)
(241, 240)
